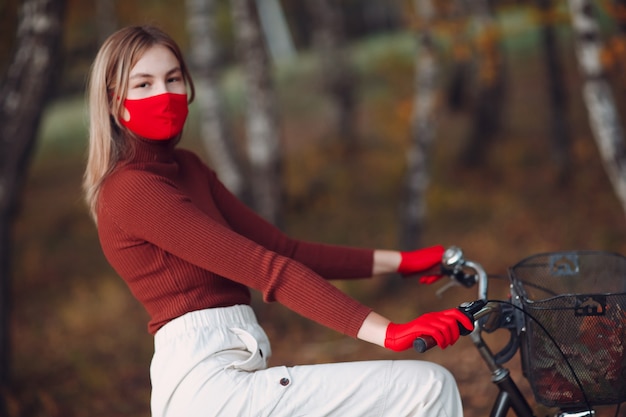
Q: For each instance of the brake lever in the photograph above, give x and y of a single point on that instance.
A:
(457, 277)
(446, 287)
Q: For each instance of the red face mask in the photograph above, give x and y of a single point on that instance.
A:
(158, 117)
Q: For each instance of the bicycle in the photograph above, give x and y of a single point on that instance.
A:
(566, 316)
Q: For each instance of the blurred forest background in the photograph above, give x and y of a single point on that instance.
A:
(481, 103)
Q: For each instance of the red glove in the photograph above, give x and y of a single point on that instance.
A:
(443, 326)
(422, 260)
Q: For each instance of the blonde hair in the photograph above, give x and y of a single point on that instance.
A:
(108, 82)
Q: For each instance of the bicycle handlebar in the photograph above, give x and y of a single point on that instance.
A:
(468, 274)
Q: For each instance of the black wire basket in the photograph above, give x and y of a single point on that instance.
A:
(573, 326)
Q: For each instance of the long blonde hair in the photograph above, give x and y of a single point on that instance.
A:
(108, 139)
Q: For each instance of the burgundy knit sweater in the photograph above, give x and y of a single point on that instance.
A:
(183, 242)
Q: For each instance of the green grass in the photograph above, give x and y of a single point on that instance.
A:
(64, 125)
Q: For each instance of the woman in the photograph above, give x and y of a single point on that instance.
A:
(189, 252)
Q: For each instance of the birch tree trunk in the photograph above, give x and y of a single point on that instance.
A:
(263, 144)
(604, 119)
(23, 94)
(204, 59)
(274, 25)
(422, 131)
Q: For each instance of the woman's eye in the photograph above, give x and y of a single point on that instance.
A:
(174, 79)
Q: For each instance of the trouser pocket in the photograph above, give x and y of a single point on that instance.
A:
(257, 347)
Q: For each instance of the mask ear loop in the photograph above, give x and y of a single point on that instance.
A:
(116, 107)
(113, 108)
(120, 135)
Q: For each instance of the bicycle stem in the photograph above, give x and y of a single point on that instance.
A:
(482, 279)
(509, 395)
(453, 259)
(476, 336)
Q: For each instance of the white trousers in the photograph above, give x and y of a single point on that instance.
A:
(214, 363)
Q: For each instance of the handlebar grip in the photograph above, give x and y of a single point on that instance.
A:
(423, 343)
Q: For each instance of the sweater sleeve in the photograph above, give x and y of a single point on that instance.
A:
(152, 208)
(329, 261)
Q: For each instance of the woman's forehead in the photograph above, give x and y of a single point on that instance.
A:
(156, 60)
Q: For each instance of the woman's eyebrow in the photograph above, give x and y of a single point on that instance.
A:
(141, 75)
(147, 75)
(174, 70)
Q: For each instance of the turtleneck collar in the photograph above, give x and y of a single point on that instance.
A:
(146, 150)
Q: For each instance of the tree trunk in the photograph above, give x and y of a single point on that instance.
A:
(23, 94)
(558, 98)
(604, 119)
(489, 103)
(461, 59)
(263, 144)
(338, 77)
(274, 25)
(106, 20)
(204, 59)
(422, 131)
(618, 44)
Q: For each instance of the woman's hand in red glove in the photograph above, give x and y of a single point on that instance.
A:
(442, 326)
(422, 260)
